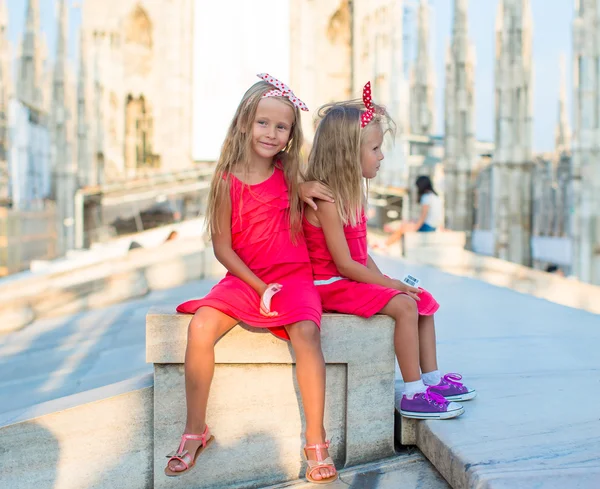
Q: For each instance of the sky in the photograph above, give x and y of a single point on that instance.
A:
(225, 64)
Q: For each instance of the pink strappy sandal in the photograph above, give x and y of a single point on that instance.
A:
(184, 456)
(314, 465)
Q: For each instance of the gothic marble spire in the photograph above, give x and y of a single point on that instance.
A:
(459, 137)
(513, 132)
(422, 78)
(5, 56)
(563, 131)
(585, 170)
(398, 86)
(28, 81)
(5, 87)
(62, 164)
(3, 17)
(513, 78)
(84, 160)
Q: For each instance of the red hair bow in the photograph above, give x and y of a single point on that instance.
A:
(367, 115)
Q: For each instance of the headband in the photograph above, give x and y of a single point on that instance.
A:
(282, 91)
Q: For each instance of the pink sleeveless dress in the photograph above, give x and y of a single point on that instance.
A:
(260, 235)
(346, 296)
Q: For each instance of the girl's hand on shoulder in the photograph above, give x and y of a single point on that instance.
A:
(410, 291)
(265, 300)
(309, 191)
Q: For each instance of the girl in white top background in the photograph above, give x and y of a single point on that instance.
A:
(431, 211)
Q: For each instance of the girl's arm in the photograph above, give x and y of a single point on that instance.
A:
(338, 247)
(423, 216)
(224, 252)
(371, 265)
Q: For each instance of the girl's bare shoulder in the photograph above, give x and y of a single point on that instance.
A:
(327, 213)
(311, 216)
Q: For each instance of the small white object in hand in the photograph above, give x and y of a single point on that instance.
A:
(268, 295)
(411, 280)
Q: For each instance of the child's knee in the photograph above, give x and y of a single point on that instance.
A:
(201, 331)
(305, 333)
(404, 306)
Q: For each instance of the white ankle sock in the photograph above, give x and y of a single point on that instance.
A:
(412, 388)
(432, 378)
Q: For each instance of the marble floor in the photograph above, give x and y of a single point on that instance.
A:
(535, 364)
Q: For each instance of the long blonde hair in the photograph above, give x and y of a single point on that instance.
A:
(335, 155)
(235, 153)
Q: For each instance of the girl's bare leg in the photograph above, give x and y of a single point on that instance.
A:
(310, 374)
(397, 234)
(427, 345)
(205, 329)
(403, 310)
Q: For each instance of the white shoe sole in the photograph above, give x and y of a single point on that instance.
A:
(447, 415)
(467, 396)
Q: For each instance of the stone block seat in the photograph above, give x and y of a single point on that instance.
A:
(254, 409)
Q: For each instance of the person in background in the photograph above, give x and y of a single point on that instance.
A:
(431, 211)
(555, 270)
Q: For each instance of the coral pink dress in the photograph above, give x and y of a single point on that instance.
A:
(346, 296)
(260, 235)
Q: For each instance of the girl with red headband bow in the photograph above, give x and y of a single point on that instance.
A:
(346, 150)
(254, 218)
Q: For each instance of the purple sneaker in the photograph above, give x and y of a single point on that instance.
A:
(429, 405)
(452, 389)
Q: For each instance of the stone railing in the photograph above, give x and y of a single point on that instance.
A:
(445, 251)
(25, 299)
(254, 409)
(100, 439)
(448, 243)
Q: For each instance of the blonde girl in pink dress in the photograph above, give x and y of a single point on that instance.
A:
(346, 151)
(254, 217)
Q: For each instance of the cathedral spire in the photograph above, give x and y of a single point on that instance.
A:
(58, 105)
(513, 79)
(563, 131)
(585, 176)
(5, 79)
(62, 164)
(460, 24)
(459, 131)
(511, 204)
(84, 160)
(98, 133)
(421, 99)
(499, 23)
(5, 56)
(397, 87)
(61, 52)
(3, 16)
(28, 85)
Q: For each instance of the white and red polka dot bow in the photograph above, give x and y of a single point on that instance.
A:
(367, 115)
(282, 91)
